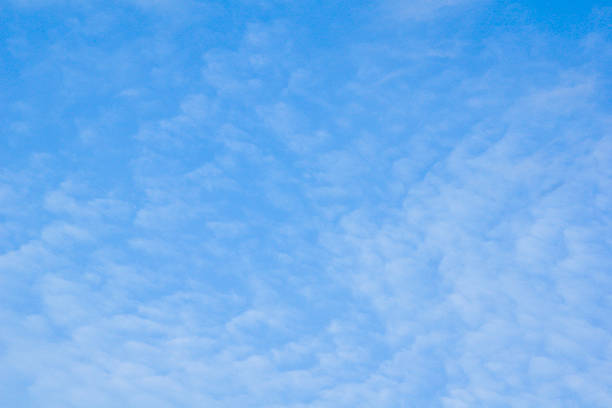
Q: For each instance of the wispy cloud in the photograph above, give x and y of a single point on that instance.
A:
(250, 206)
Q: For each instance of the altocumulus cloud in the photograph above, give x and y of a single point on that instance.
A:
(313, 204)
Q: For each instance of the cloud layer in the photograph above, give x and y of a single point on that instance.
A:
(301, 205)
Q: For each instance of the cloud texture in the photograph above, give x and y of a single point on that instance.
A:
(279, 204)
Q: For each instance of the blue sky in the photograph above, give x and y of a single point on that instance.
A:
(271, 203)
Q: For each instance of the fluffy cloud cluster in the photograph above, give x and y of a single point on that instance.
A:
(228, 210)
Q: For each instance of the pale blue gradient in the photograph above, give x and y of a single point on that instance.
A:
(271, 203)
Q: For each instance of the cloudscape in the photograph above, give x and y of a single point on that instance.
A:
(277, 203)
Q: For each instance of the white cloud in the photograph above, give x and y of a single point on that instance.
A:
(422, 9)
(399, 227)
